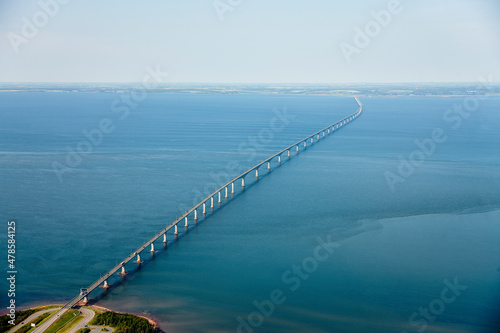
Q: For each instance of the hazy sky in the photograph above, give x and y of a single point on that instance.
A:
(257, 40)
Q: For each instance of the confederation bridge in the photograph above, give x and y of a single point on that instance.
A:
(202, 208)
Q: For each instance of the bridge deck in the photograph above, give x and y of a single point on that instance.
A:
(131, 256)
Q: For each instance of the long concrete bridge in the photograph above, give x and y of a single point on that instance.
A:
(202, 208)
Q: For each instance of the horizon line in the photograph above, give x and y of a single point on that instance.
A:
(241, 83)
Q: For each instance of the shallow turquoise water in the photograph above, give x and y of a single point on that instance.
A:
(172, 147)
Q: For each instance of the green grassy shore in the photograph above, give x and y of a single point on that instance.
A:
(120, 322)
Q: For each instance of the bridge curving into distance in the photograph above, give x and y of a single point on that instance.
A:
(202, 208)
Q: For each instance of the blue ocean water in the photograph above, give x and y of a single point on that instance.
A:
(395, 248)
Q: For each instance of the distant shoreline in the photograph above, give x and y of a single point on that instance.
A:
(444, 89)
(254, 93)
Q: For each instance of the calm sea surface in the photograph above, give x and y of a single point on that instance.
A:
(422, 255)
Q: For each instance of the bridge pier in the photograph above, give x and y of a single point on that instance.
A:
(232, 188)
(268, 165)
(312, 140)
(328, 130)
(105, 285)
(220, 198)
(323, 133)
(195, 216)
(204, 208)
(176, 232)
(123, 272)
(317, 138)
(212, 202)
(279, 159)
(242, 182)
(226, 196)
(153, 248)
(85, 300)
(297, 148)
(138, 261)
(186, 222)
(256, 173)
(165, 238)
(288, 153)
(305, 144)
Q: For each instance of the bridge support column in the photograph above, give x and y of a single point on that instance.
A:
(328, 130)
(220, 197)
(323, 133)
(317, 138)
(176, 232)
(186, 222)
(232, 188)
(268, 165)
(153, 248)
(85, 300)
(105, 285)
(279, 159)
(204, 208)
(305, 144)
(212, 202)
(123, 272)
(312, 140)
(297, 148)
(195, 216)
(165, 238)
(256, 173)
(226, 196)
(288, 153)
(138, 261)
(242, 182)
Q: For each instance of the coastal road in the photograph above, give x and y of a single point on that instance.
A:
(84, 323)
(31, 318)
(51, 320)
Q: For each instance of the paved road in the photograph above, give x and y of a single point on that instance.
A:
(89, 315)
(50, 321)
(30, 318)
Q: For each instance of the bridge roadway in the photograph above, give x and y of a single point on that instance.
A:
(319, 135)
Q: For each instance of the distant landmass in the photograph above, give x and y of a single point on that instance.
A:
(364, 89)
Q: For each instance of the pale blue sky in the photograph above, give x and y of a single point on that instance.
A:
(259, 41)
